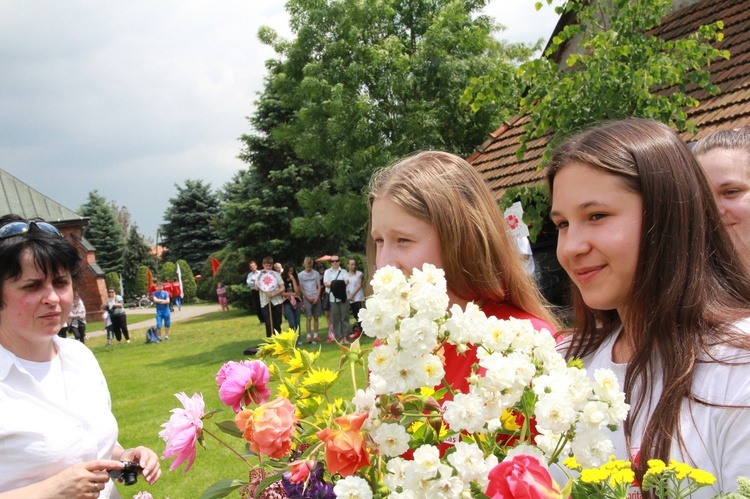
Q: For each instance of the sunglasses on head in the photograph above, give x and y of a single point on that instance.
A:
(20, 227)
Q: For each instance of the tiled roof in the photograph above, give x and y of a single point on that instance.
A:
(496, 158)
(17, 197)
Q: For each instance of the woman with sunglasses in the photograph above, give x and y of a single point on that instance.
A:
(57, 431)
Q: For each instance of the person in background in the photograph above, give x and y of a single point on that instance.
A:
(278, 268)
(117, 315)
(414, 205)
(325, 302)
(725, 157)
(660, 296)
(356, 296)
(270, 285)
(250, 280)
(168, 288)
(221, 292)
(57, 431)
(77, 318)
(176, 294)
(107, 325)
(309, 281)
(161, 300)
(339, 304)
(291, 295)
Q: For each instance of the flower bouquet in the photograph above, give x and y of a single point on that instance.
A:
(409, 433)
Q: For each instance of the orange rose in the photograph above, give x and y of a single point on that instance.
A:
(269, 428)
(346, 451)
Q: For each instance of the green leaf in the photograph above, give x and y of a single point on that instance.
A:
(230, 428)
(222, 488)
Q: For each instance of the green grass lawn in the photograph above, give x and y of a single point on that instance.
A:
(143, 377)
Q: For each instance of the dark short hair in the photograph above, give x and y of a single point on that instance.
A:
(52, 254)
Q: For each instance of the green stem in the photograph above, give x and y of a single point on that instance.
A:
(228, 447)
(354, 376)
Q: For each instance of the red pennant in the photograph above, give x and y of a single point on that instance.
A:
(215, 264)
(149, 279)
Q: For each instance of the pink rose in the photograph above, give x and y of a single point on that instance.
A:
(241, 382)
(346, 451)
(183, 430)
(301, 470)
(523, 477)
(269, 428)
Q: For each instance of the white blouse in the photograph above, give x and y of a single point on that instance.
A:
(43, 433)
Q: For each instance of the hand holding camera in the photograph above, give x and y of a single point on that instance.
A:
(128, 474)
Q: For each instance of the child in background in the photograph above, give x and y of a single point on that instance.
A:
(221, 292)
(108, 325)
(414, 207)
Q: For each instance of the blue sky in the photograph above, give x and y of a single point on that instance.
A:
(131, 98)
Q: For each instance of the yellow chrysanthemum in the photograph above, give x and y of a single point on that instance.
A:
(656, 466)
(508, 419)
(622, 477)
(681, 469)
(593, 476)
(571, 463)
(702, 477)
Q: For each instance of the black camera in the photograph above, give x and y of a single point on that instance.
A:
(129, 474)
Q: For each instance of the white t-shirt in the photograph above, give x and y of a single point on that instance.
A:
(354, 281)
(331, 275)
(717, 439)
(39, 436)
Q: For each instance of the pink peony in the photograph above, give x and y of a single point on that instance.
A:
(269, 428)
(183, 430)
(522, 477)
(241, 382)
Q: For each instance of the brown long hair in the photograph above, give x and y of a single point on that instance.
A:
(481, 260)
(689, 286)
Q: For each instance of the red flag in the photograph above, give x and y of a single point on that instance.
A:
(148, 277)
(215, 264)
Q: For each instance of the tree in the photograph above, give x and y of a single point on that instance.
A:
(369, 82)
(136, 254)
(621, 69)
(167, 272)
(104, 232)
(141, 281)
(123, 216)
(260, 202)
(190, 230)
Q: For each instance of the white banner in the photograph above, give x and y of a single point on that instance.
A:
(514, 219)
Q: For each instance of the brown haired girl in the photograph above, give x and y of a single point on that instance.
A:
(660, 295)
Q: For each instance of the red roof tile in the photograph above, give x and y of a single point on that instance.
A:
(496, 158)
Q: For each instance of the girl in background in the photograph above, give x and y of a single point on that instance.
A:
(660, 295)
(221, 292)
(434, 207)
(725, 157)
(291, 294)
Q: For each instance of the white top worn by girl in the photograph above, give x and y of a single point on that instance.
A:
(717, 439)
(54, 415)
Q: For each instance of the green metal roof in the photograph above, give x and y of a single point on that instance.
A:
(17, 197)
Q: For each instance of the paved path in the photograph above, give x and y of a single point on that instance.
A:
(145, 321)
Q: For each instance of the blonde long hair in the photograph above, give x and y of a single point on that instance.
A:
(481, 260)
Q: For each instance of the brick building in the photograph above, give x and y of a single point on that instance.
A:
(19, 198)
